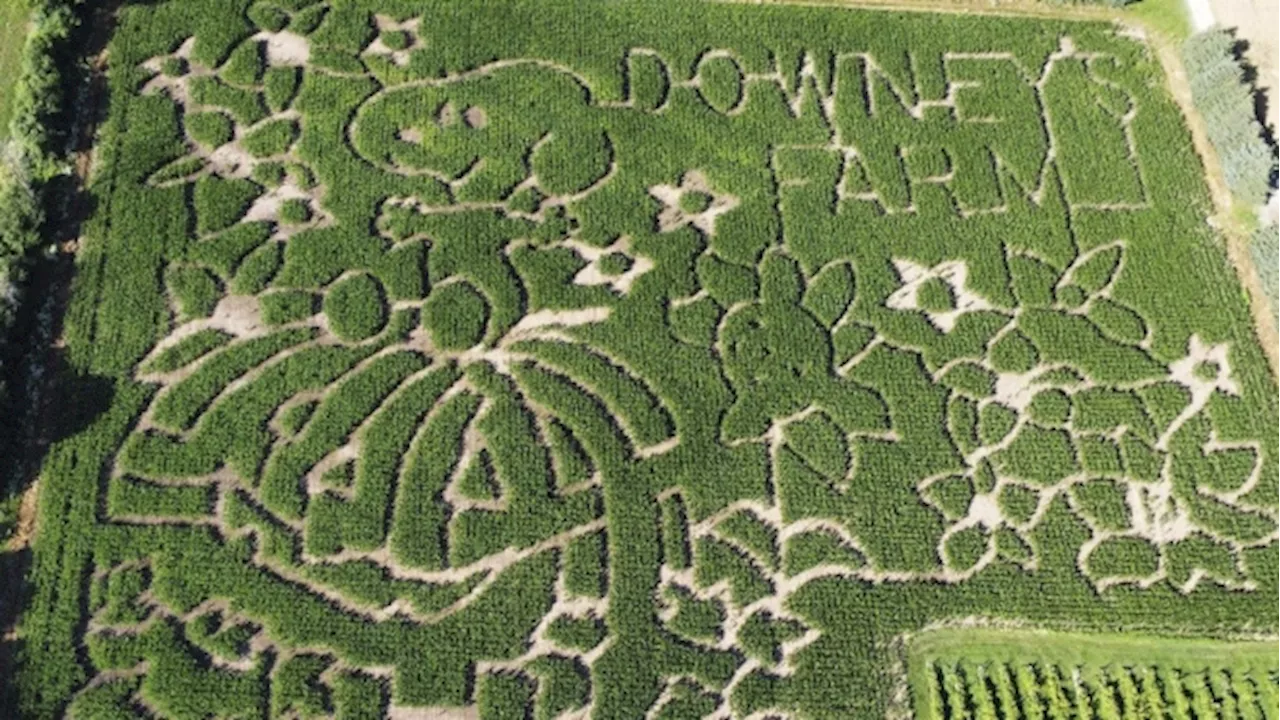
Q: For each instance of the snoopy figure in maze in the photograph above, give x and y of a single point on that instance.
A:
(487, 133)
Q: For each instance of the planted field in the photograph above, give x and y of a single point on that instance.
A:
(975, 673)
(633, 359)
(14, 16)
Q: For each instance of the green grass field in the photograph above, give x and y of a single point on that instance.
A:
(13, 32)
(659, 359)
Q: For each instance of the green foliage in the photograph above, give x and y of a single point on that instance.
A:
(1096, 272)
(244, 105)
(268, 17)
(1050, 407)
(477, 481)
(358, 697)
(1117, 321)
(220, 203)
(415, 439)
(615, 264)
(244, 65)
(1071, 296)
(694, 618)
(1265, 251)
(963, 549)
(195, 290)
(935, 295)
(582, 633)
(257, 269)
(173, 67)
(294, 417)
(294, 211)
(820, 443)
(1038, 455)
(1223, 93)
(526, 200)
(355, 307)
(970, 379)
(995, 421)
(269, 174)
(296, 686)
(753, 534)
(1103, 501)
(279, 86)
(952, 495)
(812, 549)
(186, 351)
(270, 138)
(675, 527)
(456, 316)
(307, 19)
(503, 695)
(720, 83)
(395, 39)
(286, 306)
(1014, 353)
(584, 566)
(1018, 503)
(694, 202)
(1100, 456)
(210, 129)
(980, 673)
(1123, 557)
(762, 636)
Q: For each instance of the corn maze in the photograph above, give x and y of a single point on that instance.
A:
(634, 360)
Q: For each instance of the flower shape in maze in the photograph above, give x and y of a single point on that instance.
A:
(1136, 458)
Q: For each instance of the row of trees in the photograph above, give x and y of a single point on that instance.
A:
(33, 156)
(1224, 93)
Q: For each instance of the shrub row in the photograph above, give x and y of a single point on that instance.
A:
(36, 152)
(1225, 99)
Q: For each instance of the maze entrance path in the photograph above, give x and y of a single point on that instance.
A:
(634, 360)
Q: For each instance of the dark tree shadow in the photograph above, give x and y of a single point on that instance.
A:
(45, 398)
(1261, 101)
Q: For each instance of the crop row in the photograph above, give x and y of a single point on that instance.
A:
(989, 691)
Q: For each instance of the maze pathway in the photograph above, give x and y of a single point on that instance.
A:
(634, 361)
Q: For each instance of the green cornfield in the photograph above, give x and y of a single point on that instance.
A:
(640, 359)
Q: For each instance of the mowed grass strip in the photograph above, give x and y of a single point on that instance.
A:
(14, 19)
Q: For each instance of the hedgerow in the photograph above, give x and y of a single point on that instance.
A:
(672, 369)
(1225, 98)
(43, 110)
